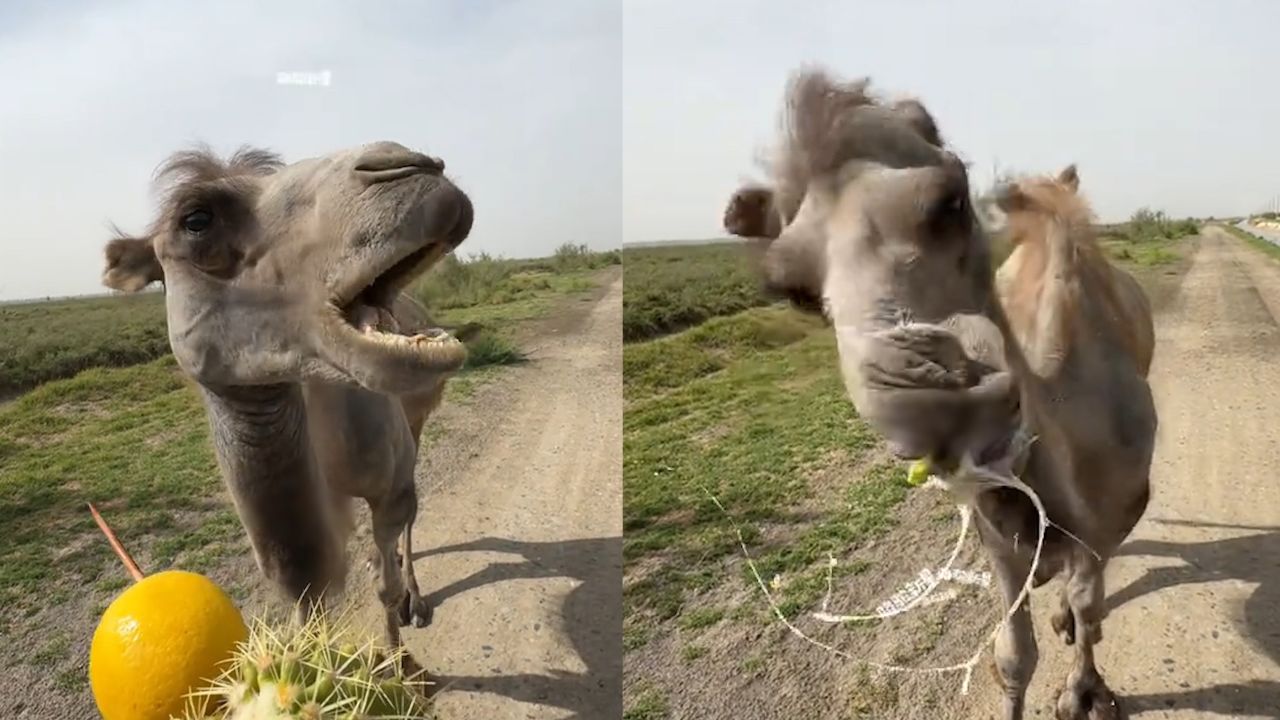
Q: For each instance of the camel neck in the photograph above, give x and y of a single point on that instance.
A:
(261, 418)
(264, 452)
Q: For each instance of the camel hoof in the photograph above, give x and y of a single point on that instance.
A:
(1094, 703)
(1064, 623)
(416, 612)
(421, 613)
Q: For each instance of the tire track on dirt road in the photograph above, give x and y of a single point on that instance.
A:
(519, 535)
(1194, 595)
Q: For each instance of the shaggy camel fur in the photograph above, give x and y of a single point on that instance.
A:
(282, 291)
(868, 218)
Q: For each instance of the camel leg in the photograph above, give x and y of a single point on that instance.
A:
(1016, 654)
(389, 523)
(1085, 695)
(414, 608)
(389, 585)
(392, 519)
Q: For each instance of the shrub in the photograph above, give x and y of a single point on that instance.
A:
(490, 349)
(1146, 225)
(483, 279)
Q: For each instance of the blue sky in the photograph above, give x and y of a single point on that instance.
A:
(521, 98)
(604, 120)
(1170, 103)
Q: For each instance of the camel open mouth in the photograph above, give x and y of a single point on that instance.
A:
(369, 314)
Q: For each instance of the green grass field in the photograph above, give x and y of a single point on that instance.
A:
(127, 431)
(748, 408)
(731, 395)
(45, 341)
(672, 288)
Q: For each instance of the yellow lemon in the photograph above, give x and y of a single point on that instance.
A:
(166, 635)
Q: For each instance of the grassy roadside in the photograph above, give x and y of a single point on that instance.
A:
(728, 433)
(1149, 240)
(1147, 254)
(747, 407)
(134, 441)
(1265, 246)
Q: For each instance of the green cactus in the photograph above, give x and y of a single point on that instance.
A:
(310, 673)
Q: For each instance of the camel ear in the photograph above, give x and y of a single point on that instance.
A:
(1070, 177)
(751, 213)
(131, 264)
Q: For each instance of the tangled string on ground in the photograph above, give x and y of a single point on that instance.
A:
(964, 485)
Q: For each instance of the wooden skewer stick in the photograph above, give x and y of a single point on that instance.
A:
(129, 564)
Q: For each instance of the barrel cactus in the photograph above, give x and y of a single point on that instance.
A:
(310, 672)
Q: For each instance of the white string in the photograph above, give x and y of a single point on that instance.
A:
(777, 612)
(965, 484)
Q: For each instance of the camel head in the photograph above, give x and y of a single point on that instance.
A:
(283, 273)
(867, 219)
(870, 217)
(1029, 204)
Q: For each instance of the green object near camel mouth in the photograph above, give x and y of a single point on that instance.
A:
(918, 474)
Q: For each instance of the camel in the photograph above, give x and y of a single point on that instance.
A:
(284, 306)
(867, 219)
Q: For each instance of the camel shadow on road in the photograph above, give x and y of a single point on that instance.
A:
(1252, 558)
(592, 618)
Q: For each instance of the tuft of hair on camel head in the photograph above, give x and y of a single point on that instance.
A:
(827, 121)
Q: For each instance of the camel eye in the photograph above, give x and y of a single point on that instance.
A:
(947, 208)
(197, 221)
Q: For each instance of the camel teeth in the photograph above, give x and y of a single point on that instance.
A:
(441, 339)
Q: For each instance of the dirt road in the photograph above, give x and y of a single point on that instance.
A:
(519, 539)
(1194, 630)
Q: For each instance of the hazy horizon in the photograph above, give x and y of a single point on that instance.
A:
(513, 95)
(1160, 104)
